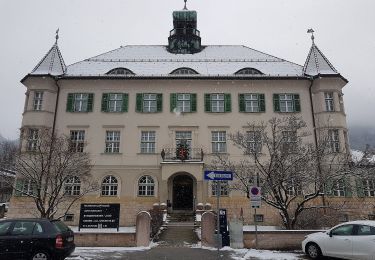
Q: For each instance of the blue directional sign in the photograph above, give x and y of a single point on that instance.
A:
(218, 175)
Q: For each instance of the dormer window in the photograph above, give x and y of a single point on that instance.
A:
(120, 71)
(184, 71)
(248, 71)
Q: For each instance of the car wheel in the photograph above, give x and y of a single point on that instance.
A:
(313, 251)
(40, 255)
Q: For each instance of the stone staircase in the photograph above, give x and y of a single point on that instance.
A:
(179, 231)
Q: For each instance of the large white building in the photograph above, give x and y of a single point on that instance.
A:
(131, 107)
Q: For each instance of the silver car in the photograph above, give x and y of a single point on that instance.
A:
(349, 240)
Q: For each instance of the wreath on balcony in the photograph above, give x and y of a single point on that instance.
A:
(182, 151)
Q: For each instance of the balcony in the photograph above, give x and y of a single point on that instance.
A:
(176, 155)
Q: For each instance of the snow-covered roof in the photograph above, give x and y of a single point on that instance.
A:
(213, 60)
(317, 64)
(51, 64)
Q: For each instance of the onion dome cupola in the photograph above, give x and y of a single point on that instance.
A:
(184, 38)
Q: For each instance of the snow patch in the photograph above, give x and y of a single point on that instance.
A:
(103, 230)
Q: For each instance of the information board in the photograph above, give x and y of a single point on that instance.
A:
(99, 216)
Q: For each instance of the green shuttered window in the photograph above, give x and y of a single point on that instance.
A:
(115, 102)
(251, 103)
(80, 102)
(217, 103)
(149, 103)
(183, 102)
(286, 103)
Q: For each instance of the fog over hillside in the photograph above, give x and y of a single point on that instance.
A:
(360, 136)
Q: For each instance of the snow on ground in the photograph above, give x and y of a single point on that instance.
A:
(244, 254)
(357, 155)
(261, 228)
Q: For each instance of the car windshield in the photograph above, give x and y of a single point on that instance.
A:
(4, 226)
(60, 226)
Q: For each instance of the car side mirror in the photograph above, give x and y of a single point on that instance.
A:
(330, 233)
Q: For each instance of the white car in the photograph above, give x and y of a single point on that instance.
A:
(349, 240)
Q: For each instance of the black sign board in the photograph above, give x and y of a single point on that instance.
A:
(224, 227)
(99, 216)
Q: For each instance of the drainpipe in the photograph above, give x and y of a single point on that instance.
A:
(56, 106)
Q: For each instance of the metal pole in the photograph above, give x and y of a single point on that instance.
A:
(218, 191)
(256, 229)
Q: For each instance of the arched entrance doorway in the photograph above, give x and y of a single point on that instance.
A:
(183, 193)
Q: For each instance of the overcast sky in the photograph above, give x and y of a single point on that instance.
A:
(344, 29)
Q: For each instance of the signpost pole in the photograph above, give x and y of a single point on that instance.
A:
(218, 191)
(256, 228)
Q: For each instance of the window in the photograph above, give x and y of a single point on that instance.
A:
(294, 188)
(4, 227)
(115, 102)
(148, 142)
(258, 218)
(146, 186)
(24, 187)
(109, 186)
(248, 71)
(289, 141)
(149, 103)
(224, 188)
(219, 142)
(339, 188)
(77, 138)
(364, 230)
(23, 228)
(69, 217)
(80, 102)
(183, 136)
(182, 102)
(32, 139)
(38, 100)
(254, 142)
(333, 140)
(369, 188)
(120, 71)
(328, 97)
(112, 142)
(72, 186)
(218, 103)
(344, 230)
(38, 229)
(286, 103)
(252, 103)
(184, 71)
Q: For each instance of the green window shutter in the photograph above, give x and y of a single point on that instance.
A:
(241, 102)
(348, 188)
(262, 103)
(18, 187)
(297, 103)
(139, 105)
(125, 102)
(105, 102)
(173, 101)
(193, 102)
(90, 102)
(159, 102)
(70, 102)
(207, 102)
(328, 188)
(360, 188)
(227, 103)
(276, 102)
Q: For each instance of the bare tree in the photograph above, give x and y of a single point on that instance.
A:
(282, 157)
(8, 150)
(52, 172)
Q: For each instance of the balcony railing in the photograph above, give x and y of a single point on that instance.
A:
(172, 155)
(184, 31)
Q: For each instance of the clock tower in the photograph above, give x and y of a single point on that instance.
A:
(184, 38)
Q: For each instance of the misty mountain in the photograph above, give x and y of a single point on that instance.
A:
(360, 136)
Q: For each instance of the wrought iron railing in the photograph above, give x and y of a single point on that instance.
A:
(172, 155)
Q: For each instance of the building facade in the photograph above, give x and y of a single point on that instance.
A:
(152, 116)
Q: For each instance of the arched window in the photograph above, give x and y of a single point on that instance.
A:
(248, 71)
(146, 186)
(72, 186)
(109, 186)
(184, 71)
(120, 71)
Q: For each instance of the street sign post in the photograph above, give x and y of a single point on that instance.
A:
(255, 200)
(218, 176)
